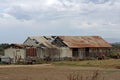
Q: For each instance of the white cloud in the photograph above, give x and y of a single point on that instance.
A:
(62, 16)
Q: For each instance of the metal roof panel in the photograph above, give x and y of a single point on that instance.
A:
(84, 41)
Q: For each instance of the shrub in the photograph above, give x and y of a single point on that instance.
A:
(114, 54)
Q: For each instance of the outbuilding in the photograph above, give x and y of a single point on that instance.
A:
(60, 47)
(15, 52)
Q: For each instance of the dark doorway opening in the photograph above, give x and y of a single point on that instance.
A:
(87, 52)
(75, 52)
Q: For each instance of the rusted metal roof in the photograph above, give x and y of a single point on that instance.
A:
(84, 41)
(15, 46)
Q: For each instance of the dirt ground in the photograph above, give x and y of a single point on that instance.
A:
(51, 72)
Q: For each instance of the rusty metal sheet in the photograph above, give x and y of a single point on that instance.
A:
(84, 41)
(15, 46)
(31, 52)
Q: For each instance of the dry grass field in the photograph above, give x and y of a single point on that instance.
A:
(53, 72)
(110, 63)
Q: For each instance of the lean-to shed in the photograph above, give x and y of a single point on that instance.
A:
(15, 52)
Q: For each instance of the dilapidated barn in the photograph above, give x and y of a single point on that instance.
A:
(82, 47)
(43, 45)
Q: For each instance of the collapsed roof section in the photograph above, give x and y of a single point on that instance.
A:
(42, 41)
(69, 41)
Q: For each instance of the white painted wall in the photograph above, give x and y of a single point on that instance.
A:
(14, 53)
(40, 53)
(65, 52)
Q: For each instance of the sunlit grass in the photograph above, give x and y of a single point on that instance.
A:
(91, 63)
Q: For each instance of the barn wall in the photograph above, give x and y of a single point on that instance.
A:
(78, 53)
(15, 54)
(30, 42)
(31, 52)
(40, 53)
(65, 52)
(51, 52)
(81, 53)
(55, 53)
(92, 53)
(95, 52)
(35, 52)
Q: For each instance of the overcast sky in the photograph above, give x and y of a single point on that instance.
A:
(22, 18)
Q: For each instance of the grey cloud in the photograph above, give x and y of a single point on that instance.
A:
(98, 1)
(68, 5)
(70, 17)
(18, 13)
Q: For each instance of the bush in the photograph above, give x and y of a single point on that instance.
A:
(114, 54)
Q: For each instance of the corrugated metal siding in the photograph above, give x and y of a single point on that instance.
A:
(31, 52)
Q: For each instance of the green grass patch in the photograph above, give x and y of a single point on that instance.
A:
(90, 63)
